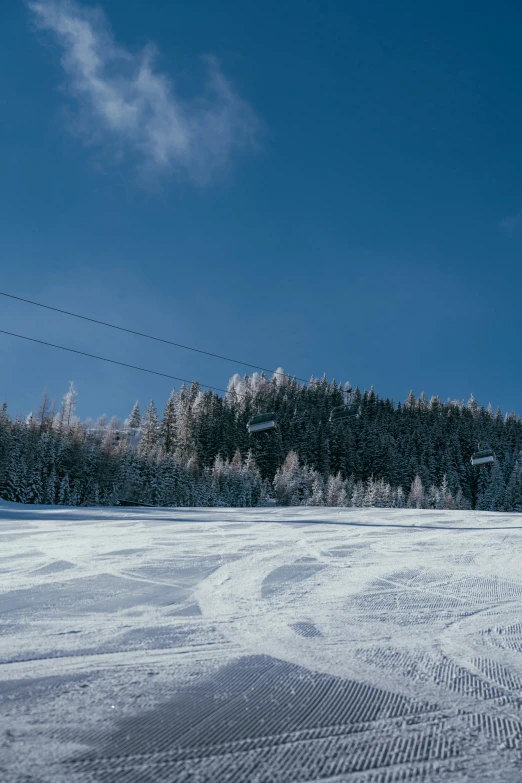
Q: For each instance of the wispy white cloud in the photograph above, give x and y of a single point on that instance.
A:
(125, 101)
(510, 223)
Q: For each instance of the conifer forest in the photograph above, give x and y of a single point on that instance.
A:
(198, 451)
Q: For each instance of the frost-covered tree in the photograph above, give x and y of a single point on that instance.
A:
(513, 492)
(317, 498)
(68, 408)
(150, 431)
(289, 482)
(417, 497)
(358, 495)
(64, 494)
(134, 419)
(335, 494)
(399, 498)
(445, 492)
(168, 424)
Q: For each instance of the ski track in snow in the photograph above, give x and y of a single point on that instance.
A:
(266, 645)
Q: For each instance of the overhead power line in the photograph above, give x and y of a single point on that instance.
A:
(147, 336)
(104, 359)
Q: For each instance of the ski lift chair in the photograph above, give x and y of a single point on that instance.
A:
(483, 457)
(342, 413)
(262, 422)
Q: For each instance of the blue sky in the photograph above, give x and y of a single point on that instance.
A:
(324, 186)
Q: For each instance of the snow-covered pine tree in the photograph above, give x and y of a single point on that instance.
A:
(496, 489)
(68, 406)
(370, 495)
(399, 498)
(254, 483)
(288, 483)
(168, 424)
(448, 500)
(50, 487)
(483, 483)
(317, 498)
(45, 412)
(134, 419)
(336, 491)
(35, 490)
(417, 496)
(513, 493)
(358, 495)
(149, 442)
(64, 494)
(473, 406)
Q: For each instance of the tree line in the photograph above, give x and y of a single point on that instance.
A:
(199, 451)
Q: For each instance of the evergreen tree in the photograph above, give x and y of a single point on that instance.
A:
(35, 490)
(496, 489)
(417, 496)
(483, 489)
(50, 487)
(64, 494)
(134, 420)
(150, 431)
(513, 493)
(317, 498)
(358, 495)
(336, 491)
(289, 484)
(446, 495)
(68, 406)
(168, 424)
(399, 498)
(45, 413)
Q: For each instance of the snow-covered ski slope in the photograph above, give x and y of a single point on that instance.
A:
(266, 645)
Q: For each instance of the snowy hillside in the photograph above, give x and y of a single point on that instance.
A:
(259, 645)
(318, 451)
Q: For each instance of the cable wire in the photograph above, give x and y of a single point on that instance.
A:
(148, 336)
(111, 361)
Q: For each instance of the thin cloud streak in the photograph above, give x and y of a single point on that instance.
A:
(511, 222)
(126, 103)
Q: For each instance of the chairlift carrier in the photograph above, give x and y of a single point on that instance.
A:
(483, 457)
(262, 422)
(342, 413)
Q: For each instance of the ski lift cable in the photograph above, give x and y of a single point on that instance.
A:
(147, 336)
(111, 361)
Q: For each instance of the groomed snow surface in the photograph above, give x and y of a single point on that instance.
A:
(266, 645)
